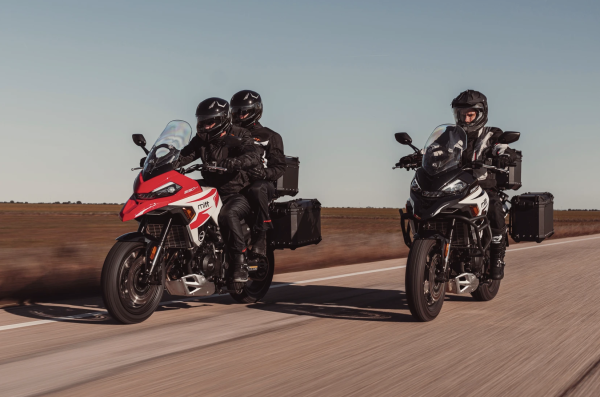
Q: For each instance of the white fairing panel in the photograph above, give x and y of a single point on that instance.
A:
(480, 198)
(207, 204)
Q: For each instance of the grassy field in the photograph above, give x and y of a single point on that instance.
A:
(54, 248)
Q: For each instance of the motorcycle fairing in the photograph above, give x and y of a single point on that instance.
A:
(425, 208)
(479, 198)
(205, 201)
(439, 181)
(135, 207)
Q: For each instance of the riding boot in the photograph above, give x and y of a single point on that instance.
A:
(259, 243)
(497, 251)
(240, 268)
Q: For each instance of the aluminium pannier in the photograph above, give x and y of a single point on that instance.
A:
(532, 217)
(287, 184)
(296, 223)
(512, 180)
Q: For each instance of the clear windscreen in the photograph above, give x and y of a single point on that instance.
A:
(444, 149)
(176, 135)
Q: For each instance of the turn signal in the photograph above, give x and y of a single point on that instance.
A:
(189, 213)
(474, 210)
(153, 253)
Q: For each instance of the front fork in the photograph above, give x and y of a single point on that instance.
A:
(447, 247)
(155, 255)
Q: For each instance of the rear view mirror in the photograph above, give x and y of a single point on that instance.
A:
(139, 140)
(509, 137)
(403, 138)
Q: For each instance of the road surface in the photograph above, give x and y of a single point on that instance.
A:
(337, 331)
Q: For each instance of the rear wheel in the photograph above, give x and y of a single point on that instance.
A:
(486, 291)
(126, 297)
(425, 296)
(258, 284)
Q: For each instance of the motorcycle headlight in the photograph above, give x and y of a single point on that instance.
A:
(455, 187)
(163, 191)
(414, 186)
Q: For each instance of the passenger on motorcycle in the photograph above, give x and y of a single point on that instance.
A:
(471, 113)
(247, 109)
(213, 124)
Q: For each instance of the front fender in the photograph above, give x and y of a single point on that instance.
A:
(136, 237)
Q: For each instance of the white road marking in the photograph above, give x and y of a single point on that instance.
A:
(549, 244)
(86, 315)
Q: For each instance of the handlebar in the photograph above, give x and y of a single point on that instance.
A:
(491, 167)
(202, 167)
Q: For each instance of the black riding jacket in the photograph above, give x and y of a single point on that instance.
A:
(483, 146)
(270, 147)
(215, 151)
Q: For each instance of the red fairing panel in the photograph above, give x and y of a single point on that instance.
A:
(134, 208)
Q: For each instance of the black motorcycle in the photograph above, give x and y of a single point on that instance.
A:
(445, 224)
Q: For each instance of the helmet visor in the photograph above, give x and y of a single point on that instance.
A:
(208, 122)
(244, 112)
(466, 116)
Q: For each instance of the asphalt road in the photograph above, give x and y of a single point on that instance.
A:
(333, 332)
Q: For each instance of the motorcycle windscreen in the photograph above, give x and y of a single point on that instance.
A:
(164, 154)
(444, 149)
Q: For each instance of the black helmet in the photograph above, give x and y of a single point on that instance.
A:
(214, 117)
(246, 107)
(470, 101)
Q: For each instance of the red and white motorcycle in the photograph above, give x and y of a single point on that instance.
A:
(178, 245)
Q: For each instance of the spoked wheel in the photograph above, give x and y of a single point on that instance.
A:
(425, 296)
(126, 297)
(258, 284)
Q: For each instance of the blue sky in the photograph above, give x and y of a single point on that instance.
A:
(337, 79)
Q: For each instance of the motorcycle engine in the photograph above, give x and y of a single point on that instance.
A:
(208, 264)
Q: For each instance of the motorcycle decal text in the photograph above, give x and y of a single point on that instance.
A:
(203, 205)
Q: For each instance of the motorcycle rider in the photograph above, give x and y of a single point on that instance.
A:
(213, 125)
(247, 109)
(470, 110)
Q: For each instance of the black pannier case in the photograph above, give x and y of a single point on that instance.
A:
(296, 223)
(532, 217)
(512, 180)
(287, 184)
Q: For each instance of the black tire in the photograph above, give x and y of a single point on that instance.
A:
(126, 300)
(255, 290)
(425, 303)
(486, 291)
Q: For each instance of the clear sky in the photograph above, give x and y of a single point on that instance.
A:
(337, 78)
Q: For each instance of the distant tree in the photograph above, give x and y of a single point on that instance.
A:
(79, 202)
(12, 201)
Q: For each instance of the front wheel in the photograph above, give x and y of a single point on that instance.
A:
(126, 297)
(258, 285)
(425, 296)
